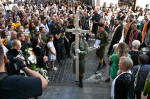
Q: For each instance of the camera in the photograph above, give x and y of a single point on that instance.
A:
(13, 67)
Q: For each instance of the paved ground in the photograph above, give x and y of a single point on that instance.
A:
(62, 83)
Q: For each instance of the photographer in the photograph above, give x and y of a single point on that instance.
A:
(17, 86)
(13, 55)
(59, 42)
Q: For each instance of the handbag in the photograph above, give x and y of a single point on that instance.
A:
(136, 76)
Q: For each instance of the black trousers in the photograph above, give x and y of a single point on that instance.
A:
(67, 47)
(60, 50)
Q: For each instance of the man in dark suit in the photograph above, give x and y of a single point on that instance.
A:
(116, 35)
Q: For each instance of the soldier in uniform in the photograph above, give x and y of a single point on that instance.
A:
(82, 51)
(103, 36)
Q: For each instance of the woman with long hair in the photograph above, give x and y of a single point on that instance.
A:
(122, 50)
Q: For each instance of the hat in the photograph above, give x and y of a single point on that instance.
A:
(80, 35)
(100, 24)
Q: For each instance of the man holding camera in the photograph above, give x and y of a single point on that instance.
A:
(17, 86)
(59, 41)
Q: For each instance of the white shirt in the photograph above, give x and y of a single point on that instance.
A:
(46, 28)
(51, 45)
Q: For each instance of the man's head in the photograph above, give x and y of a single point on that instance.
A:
(16, 44)
(20, 37)
(143, 59)
(66, 23)
(131, 18)
(54, 19)
(134, 27)
(13, 34)
(10, 28)
(100, 26)
(26, 25)
(21, 28)
(95, 11)
(42, 30)
(80, 36)
(61, 22)
(146, 17)
(147, 6)
(35, 19)
(102, 20)
(43, 19)
(116, 21)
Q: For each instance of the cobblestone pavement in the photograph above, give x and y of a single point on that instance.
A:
(62, 83)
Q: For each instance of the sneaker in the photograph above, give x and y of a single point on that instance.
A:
(55, 68)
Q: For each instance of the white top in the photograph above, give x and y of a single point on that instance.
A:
(46, 28)
(51, 45)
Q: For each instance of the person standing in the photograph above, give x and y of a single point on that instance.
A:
(82, 51)
(95, 19)
(85, 23)
(116, 35)
(103, 36)
(128, 28)
(145, 31)
(122, 85)
(44, 24)
(135, 34)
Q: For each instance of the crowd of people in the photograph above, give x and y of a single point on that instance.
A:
(40, 27)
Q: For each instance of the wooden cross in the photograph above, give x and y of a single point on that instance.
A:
(77, 30)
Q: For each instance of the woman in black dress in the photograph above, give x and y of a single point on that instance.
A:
(39, 52)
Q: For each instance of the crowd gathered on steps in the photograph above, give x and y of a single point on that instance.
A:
(42, 29)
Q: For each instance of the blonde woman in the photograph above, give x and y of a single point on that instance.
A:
(122, 50)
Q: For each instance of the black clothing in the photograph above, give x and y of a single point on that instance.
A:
(148, 54)
(116, 38)
(139, 36)
(11, 55)
(107, 29)
(144, 70)
(57, 41)
(67, 44)
(21, 87)
(40, 53)
(134, 56)
(96, 18)
(59, 45)
(71, 34)
(52, 27)
(128, 34)
(124, 86)
(24, 46)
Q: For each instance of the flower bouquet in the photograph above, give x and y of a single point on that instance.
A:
(15, 26)
(147, 86)
(31, 57)
(42, 72)
(5, 42)
(33, 62)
